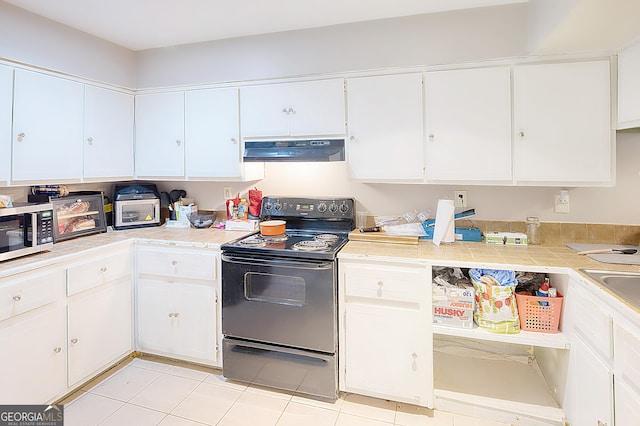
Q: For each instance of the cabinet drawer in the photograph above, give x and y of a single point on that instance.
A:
(595, 325)
(28, 291)
(92, 273)
(177, 263)
(388, 283)
(627, 354)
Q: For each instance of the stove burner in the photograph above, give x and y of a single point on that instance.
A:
(254, 242)
(275, 238)
(311, 245)
(329, 238)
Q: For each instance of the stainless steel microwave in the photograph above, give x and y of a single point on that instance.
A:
(25, 228)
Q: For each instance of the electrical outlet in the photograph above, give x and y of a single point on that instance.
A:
(562, 203)
(460, 198)
(227, 193)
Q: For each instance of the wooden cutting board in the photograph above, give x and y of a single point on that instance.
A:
(381, 237)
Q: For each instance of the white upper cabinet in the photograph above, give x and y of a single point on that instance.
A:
(47, 128)
(212, 137)
(159, 121)
(309, 108)
(6, 105)
(468, 125)
(562, 123)
(108, 134)
(629, 87)
(386, 131)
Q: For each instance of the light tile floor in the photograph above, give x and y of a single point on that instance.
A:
(154, 391)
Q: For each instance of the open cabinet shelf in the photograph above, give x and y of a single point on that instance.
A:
(510, 391)
(530, 338)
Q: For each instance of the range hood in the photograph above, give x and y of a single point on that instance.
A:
(294, 150)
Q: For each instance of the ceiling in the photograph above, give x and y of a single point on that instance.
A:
(145, 24)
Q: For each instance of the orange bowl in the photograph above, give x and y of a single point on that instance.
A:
(270, 228)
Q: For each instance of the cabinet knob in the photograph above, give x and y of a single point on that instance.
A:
(284, 110)
(17, 298)
(57, 349)
(103, 269)
(74, 340)
(352, 138)
(521, 134)
(90, 141)
(234, 141)
(432, 136)
(291, 111)
(170, 314)
(380, 283)
(178, 142)
(414, 355)
(21, 136)
(176, 314)
(174, 262)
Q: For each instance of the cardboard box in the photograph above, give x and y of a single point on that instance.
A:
(453, 317)
(506, 238)
(453, 297)
(453, 306)
(241, 225)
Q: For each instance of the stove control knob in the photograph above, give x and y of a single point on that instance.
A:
(344, 208)
(322, 207)
(268, 205)
(278, 206)
(333, 208)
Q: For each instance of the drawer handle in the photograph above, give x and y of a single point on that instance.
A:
(174, 262)
(379, 293)
(414, 355)
(103, 269)
(57, 350)
(17, 298)
(74, 340)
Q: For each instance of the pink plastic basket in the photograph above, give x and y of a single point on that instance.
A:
(536, 316)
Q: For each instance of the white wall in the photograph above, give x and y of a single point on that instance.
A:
(31, 39)
(431, 39)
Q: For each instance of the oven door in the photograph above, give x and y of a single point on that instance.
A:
(284, 302)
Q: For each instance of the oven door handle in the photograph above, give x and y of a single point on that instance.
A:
(299, 263)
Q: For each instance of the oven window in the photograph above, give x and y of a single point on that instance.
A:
(281, 289)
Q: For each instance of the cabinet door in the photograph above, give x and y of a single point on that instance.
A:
(195, 321)
(468, 125)
(627, 405)
(264, 110)
(99, 329)
(629, 87)
(562, 122)
(47, 128)
(155, 309)
(159, 121)
(385, 355)
(385, 120)
(212, 133)
(33, 367)
(589, 387)
(108, 134)
(318, 108)
(6, 105)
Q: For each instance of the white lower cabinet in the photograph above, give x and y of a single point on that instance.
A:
(627, 405)
(34, 354)
(177, 307)
(99, 313)
(590, 383)
(385, 331)
(100, 329)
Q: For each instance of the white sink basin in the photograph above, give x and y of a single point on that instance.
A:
(624, 284)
